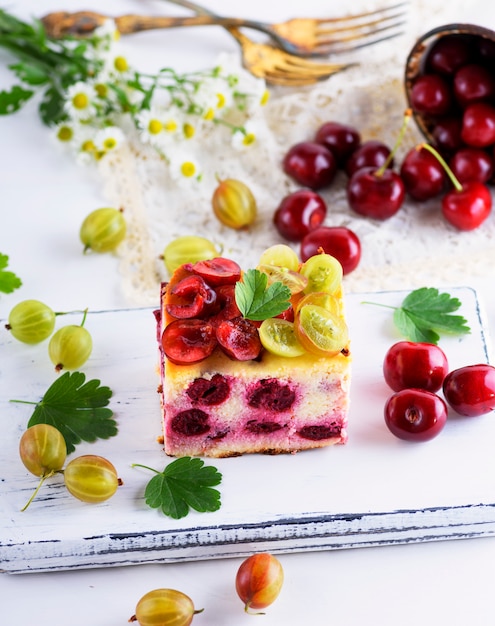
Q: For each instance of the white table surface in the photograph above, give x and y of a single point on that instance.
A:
(44, 197)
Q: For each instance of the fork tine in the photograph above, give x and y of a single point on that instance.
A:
(381, 23)
(356, 17)
(351, 45)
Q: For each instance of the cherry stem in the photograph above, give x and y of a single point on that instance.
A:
(443, 163)
(400, 139)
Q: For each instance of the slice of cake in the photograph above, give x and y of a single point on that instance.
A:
(233, 384)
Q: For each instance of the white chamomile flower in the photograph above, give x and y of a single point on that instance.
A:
(106, 34)
(118, 66)
(80, 101)
(244, 138)
(64, 132)
(84, 144)
(109, 139)
(214, 97)
(150, 125)
(184, 168)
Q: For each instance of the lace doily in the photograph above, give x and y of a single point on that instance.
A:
(413, 248)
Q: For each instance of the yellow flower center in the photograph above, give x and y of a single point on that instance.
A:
(65, 133)
(80, 101)
(170, 126)
(88, 146)
(110, 143)
(188, 169)
(221, 100)
(209, 114)
(249, 138)
(189, 130)
(101, 90)
(120, 64)
(265, 97)
(155, 127)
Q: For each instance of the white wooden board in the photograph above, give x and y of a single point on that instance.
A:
(375, 490)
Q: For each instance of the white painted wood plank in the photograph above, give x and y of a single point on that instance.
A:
(375, 490)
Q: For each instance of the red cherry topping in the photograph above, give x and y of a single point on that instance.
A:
(228, 305)
(239, 339)
(188, 341)
(200, 298)
(218, 271)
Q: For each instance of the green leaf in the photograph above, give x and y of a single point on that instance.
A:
(258, 302)
(51, 107)
(77, 409)
(8, 280)
(184, 484)
(30, 74)
(426, 313)
(11, 101)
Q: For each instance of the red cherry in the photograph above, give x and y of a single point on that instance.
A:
(195, 298)
(447, 133)
(338, 241)
(470, 390)
(218, 271)
(239, 339)
(341, 139)
(299, 213)
(188, 341)
(376, 195)
(227, 303)
(448, 54)
(372, 153)
(472, 164)
(423, 175)
(415, 364)
(415, 414)
(478, 125)
(310, 164)
(430, 94)
(468, 207)
(473, 83)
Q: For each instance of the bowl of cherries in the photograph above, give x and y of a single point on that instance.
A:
(450, 88)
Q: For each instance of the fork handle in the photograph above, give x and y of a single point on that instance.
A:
(83, 23)
(197, 8)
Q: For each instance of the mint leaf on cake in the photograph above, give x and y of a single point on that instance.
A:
(257, 300)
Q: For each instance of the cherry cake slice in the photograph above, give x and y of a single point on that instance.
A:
(223, 394)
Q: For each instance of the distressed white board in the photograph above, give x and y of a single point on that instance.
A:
(375, 490)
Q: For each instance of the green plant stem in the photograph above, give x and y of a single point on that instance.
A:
(151, 469)
(400, 139)
(35, 492)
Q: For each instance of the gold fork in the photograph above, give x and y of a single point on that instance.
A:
(300, 36)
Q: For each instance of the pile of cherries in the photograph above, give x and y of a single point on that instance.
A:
(454, 95)
(206, 315)
(416, 371)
